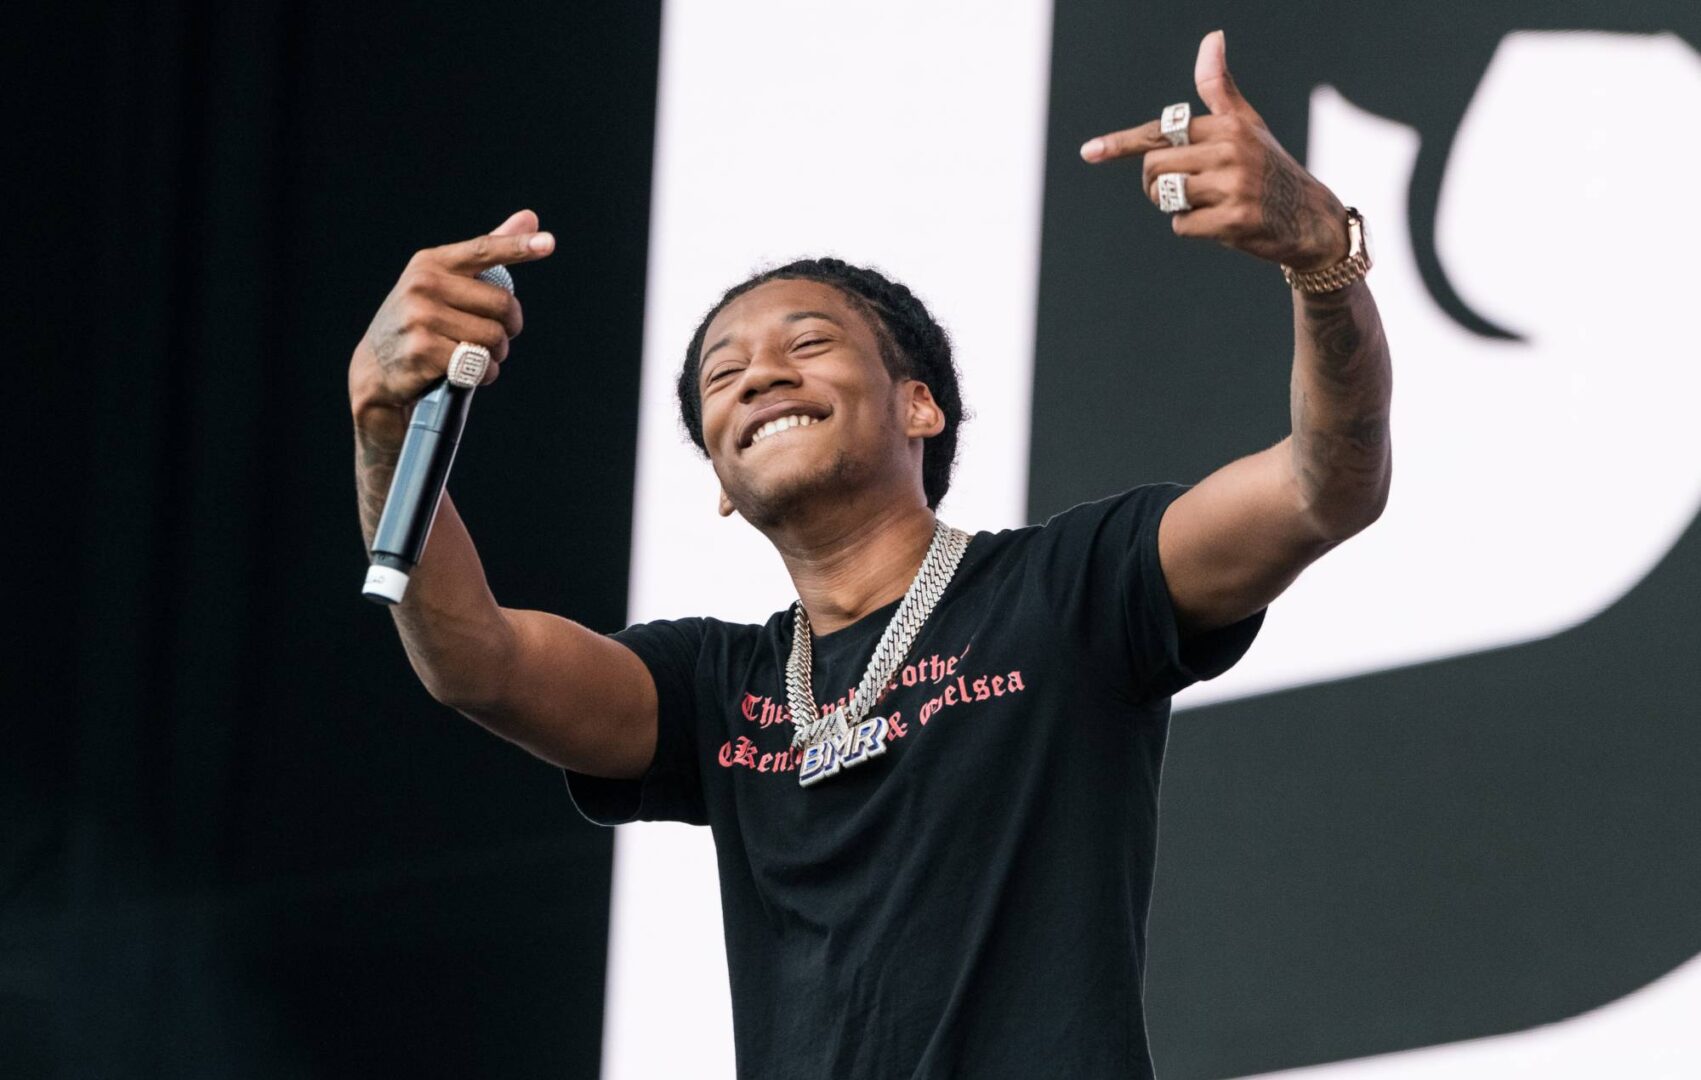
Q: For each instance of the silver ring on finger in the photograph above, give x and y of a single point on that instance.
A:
(1174, 123)
(467, 365)
(1172, 192)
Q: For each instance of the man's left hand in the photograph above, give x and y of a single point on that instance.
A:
(1246, 191)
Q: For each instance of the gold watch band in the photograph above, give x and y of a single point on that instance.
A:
(1350, 269)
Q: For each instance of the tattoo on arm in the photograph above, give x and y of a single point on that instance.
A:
(1341, 387)
(1338, 338)
(375, 464)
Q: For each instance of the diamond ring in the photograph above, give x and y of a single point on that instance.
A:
(467, 365)
(1174, 123)
(1172, 192)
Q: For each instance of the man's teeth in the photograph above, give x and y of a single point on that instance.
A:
(784, 422)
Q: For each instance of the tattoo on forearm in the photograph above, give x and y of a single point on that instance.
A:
(1340, 398)
(375, 464)
(1334, 326)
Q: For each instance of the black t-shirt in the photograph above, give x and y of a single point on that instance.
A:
(973, 902)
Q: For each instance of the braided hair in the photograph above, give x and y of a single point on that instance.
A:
(912, 345)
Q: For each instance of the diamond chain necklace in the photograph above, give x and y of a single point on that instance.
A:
(848, 737)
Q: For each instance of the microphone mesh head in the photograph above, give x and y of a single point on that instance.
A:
(498, 275)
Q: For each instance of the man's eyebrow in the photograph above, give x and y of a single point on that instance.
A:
(799, 316)
(790, 317)
(708, 352)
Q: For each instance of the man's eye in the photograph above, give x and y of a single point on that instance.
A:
(812, 341)
(716, 377)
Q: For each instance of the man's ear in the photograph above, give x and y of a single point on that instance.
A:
(923, 418)
(726, 504)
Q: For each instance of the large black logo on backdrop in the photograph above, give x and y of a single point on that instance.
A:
(1420, 64)
(1462, 848)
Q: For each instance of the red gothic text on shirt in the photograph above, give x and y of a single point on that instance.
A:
(955, 690)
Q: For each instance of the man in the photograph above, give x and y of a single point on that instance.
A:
(933, 781)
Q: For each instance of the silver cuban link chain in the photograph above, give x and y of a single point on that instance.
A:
(848, 737)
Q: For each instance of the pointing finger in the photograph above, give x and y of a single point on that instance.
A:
(1126, 143)
(483, 252)
(1144, 139)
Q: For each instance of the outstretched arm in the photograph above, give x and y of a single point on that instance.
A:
(1232, 543)
(566, 693)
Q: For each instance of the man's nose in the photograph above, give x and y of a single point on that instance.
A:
(768, 368)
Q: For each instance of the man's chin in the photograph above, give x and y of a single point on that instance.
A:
(785, 495)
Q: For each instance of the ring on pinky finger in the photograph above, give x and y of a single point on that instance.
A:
(1172, 192)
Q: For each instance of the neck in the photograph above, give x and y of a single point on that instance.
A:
(847, 565)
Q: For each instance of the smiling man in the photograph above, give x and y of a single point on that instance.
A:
(933, 780)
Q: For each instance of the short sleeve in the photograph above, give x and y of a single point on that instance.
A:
(1098, 565)
(672, 788)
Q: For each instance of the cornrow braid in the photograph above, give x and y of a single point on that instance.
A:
(912, 345)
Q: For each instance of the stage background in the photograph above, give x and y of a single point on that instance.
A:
(237, 837)
(1449, 801)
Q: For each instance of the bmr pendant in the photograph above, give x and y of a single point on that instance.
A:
(827, 756)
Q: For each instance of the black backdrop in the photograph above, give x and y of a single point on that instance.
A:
(236, 837)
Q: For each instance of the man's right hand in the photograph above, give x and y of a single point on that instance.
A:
(566, 693)
(438, 303)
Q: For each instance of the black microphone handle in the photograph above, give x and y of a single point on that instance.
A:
(428, 452)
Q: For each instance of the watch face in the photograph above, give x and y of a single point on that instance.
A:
(1363, 227)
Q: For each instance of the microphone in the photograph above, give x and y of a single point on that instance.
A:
(416, 487)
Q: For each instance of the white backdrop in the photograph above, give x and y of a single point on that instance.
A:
(910, 136)
(891, 133)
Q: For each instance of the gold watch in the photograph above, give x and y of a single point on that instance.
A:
(1350, 269)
